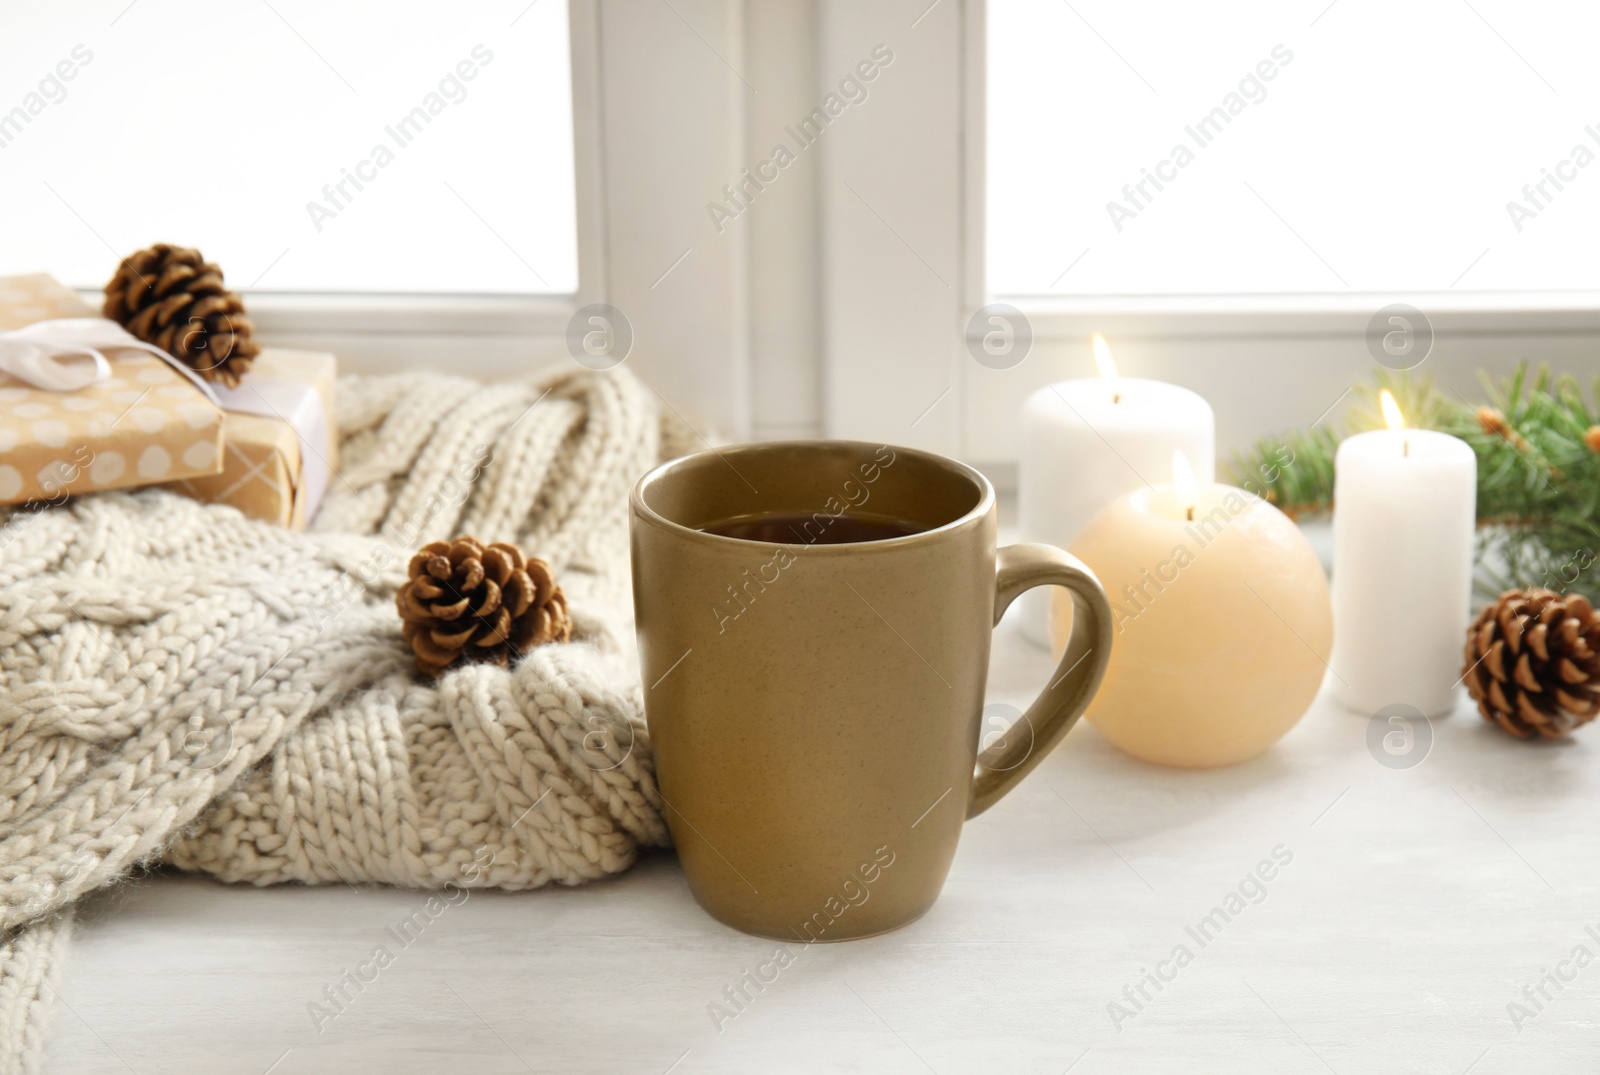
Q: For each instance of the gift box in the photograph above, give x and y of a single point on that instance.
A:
(68, 426)
(280, 440)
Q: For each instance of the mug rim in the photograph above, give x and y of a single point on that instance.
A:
(974, 516)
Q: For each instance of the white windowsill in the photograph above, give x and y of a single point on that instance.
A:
(1530, 312)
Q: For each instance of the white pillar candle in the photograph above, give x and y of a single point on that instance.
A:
(1405, 506)
(1088, 442)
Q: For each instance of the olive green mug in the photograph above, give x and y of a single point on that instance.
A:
(815, 704)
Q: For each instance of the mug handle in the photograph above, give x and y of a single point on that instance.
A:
(1072, 684)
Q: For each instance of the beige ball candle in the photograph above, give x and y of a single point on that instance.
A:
(1223, 622)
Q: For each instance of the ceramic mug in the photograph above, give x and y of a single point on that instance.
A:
(815, 707)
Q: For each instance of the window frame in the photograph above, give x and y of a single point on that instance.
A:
(687, 318)
(840, 304)
(904, 331)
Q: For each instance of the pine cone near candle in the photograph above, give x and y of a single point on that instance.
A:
(1533, 663)
(172, 297)
(467, 602)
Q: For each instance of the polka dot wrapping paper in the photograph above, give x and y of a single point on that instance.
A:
(266, 457)
(145, 424)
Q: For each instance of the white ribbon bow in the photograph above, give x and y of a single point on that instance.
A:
(35, 353)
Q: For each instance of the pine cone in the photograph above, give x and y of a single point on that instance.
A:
(1534, 663)
(482, 604)
(172, 297)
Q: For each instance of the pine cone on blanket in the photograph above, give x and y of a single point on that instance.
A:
(173, 297)
(465, 601)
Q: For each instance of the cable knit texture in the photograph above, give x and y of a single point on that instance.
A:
(181, 684)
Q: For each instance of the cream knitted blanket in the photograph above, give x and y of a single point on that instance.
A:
(181, 684)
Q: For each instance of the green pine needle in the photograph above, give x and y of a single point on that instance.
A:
(1538, 477)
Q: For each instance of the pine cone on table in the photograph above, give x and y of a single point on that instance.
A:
(172, 297)
(465, 601)
(1533, 663)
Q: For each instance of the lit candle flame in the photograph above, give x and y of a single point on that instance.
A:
(1391, 410)
(1107, 368)
(1396, 420)
(1183, 480)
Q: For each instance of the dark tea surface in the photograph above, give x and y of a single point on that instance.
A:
(818, 529)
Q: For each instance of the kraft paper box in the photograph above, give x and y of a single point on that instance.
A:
(269, 457)
(146, 423)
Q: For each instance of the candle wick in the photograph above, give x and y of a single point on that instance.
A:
(1116, 397)
(1406, 446)
(1191, 513)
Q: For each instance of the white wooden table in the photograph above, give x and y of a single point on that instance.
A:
(1417, 906)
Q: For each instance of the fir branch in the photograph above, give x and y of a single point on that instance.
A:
(1293, 471)
(1537, 440)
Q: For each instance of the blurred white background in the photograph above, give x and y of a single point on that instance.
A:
(1391, 143)
(213, 125)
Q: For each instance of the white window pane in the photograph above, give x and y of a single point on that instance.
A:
(1381, 155)
(216, 125)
